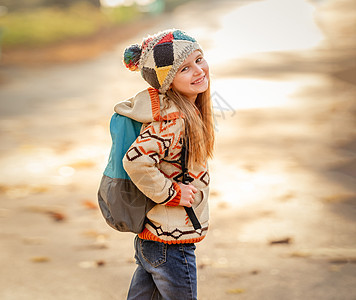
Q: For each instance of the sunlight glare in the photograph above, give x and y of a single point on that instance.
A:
(251, 187)
(111, 3)
(66, 171)
(265, 26)
(254, 93)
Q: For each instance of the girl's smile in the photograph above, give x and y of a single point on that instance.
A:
(200, 80)
(192, 77)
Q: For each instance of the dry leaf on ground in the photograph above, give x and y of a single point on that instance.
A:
(236, 291)
(89, 204)
(40, 259)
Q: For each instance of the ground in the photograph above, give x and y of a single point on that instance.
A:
(282, 200)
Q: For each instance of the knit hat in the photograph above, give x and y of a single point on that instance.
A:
(160, 57)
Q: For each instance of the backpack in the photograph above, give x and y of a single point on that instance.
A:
(122, 204)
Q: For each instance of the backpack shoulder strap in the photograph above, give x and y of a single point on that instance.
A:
(186, 179)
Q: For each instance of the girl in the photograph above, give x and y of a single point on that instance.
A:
(175, 108)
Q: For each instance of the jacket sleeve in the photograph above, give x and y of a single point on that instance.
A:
(143, 157)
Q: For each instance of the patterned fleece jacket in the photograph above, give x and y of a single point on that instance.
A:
(152, 162)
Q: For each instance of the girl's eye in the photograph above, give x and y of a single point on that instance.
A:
(198, 60)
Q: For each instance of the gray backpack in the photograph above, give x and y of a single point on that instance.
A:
(122, 204)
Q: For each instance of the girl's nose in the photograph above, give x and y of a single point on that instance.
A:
(198, 70)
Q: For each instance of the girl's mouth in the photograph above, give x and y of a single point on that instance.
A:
(200, 80)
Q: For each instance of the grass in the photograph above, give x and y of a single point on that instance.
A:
(45, 26)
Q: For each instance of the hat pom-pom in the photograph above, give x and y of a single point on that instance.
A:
(132, 56)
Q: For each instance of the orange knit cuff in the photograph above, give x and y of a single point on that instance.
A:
(175, 201)
(147, 235)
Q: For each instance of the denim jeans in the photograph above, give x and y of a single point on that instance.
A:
(164, 271)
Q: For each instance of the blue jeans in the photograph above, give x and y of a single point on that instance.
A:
(164, 271)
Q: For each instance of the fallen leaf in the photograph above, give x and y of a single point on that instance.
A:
(250, 168)
(57, 216)
(82, 164)
(214, 193)
(3, 188)
(223, 205)
(236, 291)
(38, 189)
(91, 264)
(337, 198)
(266, 213)
(302, 254)
(40, 259)
(100, 263)
(287, 196)
(281, 241)
(54, 213)
(93, 234)
(90, 204)
(346, 260)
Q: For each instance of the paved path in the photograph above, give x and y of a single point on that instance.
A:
(283, 178)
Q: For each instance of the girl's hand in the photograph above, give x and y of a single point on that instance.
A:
(187, 194)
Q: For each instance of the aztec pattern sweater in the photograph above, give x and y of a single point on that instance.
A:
(152, 162)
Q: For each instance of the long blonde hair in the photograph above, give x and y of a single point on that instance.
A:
(199, 124)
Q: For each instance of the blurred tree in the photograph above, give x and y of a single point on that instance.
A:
(16, 5)
(67, 3)
(170, 5)
(13, 5)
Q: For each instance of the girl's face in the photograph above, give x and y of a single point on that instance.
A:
(192, 77)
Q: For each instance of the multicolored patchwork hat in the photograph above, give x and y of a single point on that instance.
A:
(160, 56)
